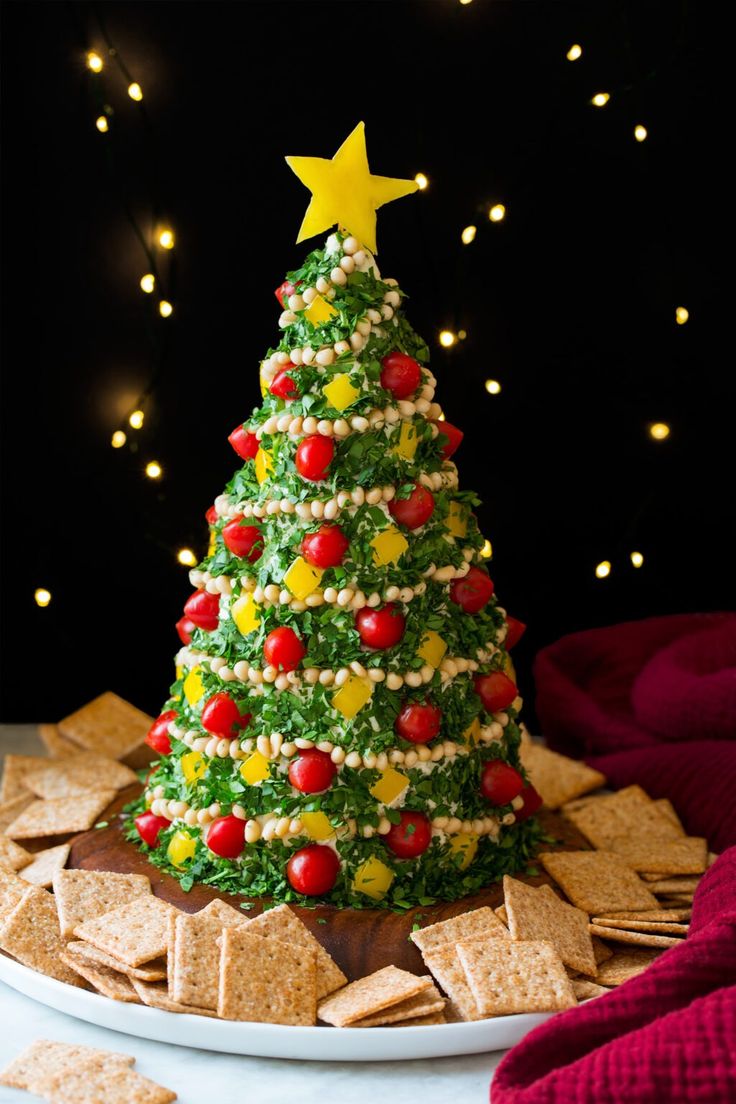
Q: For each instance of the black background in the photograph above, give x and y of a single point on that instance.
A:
(570, 302)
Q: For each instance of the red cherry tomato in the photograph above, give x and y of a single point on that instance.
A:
(382, 627)
(158, 733)
(410, 837)
(418, 722)
(400, 374)
(496, 690)
(473, 591)
(226, 836)
(284, 385)
(148, 826)
(532, 802)
(283, 649)
(222, 717)
(314, 456)
(282, 293)
(500, 783)
(244, 442)
(516, 630)
(245, 541)
(415, 510)
(185, 628)
(203, 609)
(313, 870)
(312, 772)
(211, 516)
(454, 438)
(326, 547)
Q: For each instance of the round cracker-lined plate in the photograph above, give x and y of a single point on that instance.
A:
(324, 1044)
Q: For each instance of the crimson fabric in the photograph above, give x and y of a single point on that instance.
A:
(652, 702)
(666, 1036)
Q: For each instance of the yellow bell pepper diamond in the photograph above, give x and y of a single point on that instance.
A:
(319, 310)
(317, 826)
(255, 769)
(212, 543)
(246, 613)
(264, 378)
(352, 696)
(389, 786)
(373, 878)
(193, 686)
(340, 392)
(193, 766)
(471, 735)
(181, 849)
(388, 546)
(407, 442)
(433, 648)
(179, 671)
(464, 844)
(457, 522)
(302, 578)
(509, 668)
(263, 465)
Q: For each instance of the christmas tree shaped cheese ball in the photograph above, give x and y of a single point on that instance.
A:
(343, 725)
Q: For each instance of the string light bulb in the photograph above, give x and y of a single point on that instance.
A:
(447, 338)
(640, 133)
(462, 334)
(493, 387)
(95, 62)
(42, 596)
(637, 559)
(165, 308)
(154, 469)
(136, 419)
(135, 91)
(659, 431)
(497, 212)
(603, 569)
(102, 124)
(148, 283)
(468, 235)
(487, 550)
(166, 239)
(186, 557)
(574, 52)
(464, 2)
(422, 181)
(681, 315)
(118, 438)
(600, 99)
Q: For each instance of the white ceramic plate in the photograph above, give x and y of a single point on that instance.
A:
(324, 1044)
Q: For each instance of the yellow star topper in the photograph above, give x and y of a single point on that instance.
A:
(344, 192)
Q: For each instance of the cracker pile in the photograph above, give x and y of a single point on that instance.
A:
(65, 1073)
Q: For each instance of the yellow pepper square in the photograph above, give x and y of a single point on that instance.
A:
(389, 786)
(212, 543)
(464, 844)
(352, 696)
(457, 522)
(433, 648)
(508, 666)
(255, 769)
(179, 671)
(317, 826)
(181, 848)
(193, 686)
(373, 878)
(340, 392)
(319, 311)
(193, 765)
(471, 735)
(388, 546)
(246, 613)
(302, 578)
(406, 444)
(263, 464)
(264, 380)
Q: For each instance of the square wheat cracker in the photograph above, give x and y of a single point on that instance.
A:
(466, 925)
(539, 914)
(152, 971)
(644, 939)
(60, 816)
(266, 981)
(556, 777)
(445, 966)
(10, 810)
(282, 923)
(369, 995)
(15, 768)
(83, 895)
(12, 888)
(422, 1004)
(30, 933)
(626, 965)
(194, 956)
(665, 806)
(596, 881)
(418, 1021)
(683, 855)
(109, 983)
(108, 724)
(45, 865)
(507, 977)
(56, 745)
(78, 774)
(135, 933)
(45, 1057)
(656, 927)
(13, 857)
(155, 994)
(116, 1085)
(664, 915)
(627, 812)
(584, 990)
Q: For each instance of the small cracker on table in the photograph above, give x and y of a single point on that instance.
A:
(45, 865)
(115, 1085)
(683, 855)
(370, 995)
(265, 980)
(78, 774)
(625, 965)
(60, 816)
(109, 983)
(282, 923)
(445, 966)
(85, 952)
(556, 778)
(83, 895)
(644, 939)
(108, 724)
(597, 881)
(15, 768)
(426, 1003)
(45, 1057)
(481, 921)
(656, 927)
(56, 745)
(627, 812)
(30, 933)
(536, 914)
(584, 990)
(13, 857)
(135, 933)
(194, 956)
(155, 994)
(506, 977)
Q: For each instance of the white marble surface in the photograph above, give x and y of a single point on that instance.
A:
(202, 1075)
